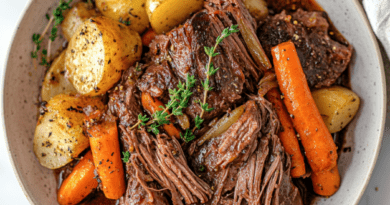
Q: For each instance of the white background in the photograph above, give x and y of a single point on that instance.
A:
(377, 192)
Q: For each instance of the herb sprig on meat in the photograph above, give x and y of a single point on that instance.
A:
(179, 97)
(211, 70)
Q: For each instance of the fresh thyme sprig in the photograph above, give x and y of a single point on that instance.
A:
(178, 101)
(38, 38)
(59, 17)
(43, 58)
(142, 119)
(211, 70)
(37, 41)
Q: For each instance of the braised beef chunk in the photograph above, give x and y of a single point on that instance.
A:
(183, 49)
(247, 164)
(323, 59)
(124, 99)
(161, 160)
(157, 79)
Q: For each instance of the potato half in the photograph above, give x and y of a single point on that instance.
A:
(75, 17)
(98, 53)
(129, 12)
(55, 81)
(166, 14)
(337, 105)
(59, 134)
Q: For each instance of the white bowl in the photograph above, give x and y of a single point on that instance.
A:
(364, 135)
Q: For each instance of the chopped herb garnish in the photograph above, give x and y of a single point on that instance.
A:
(37, 41)
(126, 156)
(127, 23)
(137, 67)
(201, 168)
(43, 58)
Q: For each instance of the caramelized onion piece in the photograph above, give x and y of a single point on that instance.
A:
(254, 46)
(183, 121)
(222, 125)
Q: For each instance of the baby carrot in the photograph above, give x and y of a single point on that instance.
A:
(153, 105)
(105, 149)
(287, 134)
(148, 37)
(79, 183)
(326, 183)
(319, 146)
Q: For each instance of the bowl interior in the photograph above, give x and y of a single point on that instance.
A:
(21, 89)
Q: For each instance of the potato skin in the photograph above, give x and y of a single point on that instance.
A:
(257, 8)
(55, 81)
(130, 12)
(75, 17)
(337, 105)
(166, 14)
(98, 53)
(59, 134)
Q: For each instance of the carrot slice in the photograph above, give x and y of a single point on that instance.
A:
(148, 37)
(153, 105)
(79, 183)
(319, 146)
(287, 134)
(326, 183)
(105, 149)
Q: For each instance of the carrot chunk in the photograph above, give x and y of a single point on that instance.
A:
(79, 183)
(319, 146)
(148, 37)
(105, 149)
(287, 134)
(153, 105)
(326, 183)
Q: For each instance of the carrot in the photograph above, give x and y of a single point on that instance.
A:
(79, 183)
(326, 183)
(319, 146)
(153, 105)
(105, 149)
(148, 37)
(287, 134)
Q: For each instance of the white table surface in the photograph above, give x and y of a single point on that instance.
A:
(377, 192)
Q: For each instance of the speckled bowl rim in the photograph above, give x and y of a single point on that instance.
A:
(373, 41)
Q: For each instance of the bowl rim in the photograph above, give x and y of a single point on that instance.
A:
(373, 40)
(2, 87)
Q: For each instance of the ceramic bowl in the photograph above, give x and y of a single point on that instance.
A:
(364, 135)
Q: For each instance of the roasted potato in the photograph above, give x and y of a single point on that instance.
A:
(166, 14)
(75, 17)
(55, 81)
(337, 105)
(257, 8)
(129, 12)
(59, 134)
(98, 53)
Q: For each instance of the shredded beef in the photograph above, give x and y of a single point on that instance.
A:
(323, 59)
(124, 99)
(163, 159)
(255, 168)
